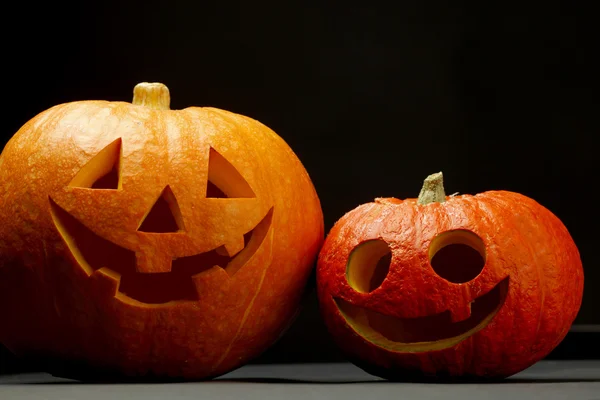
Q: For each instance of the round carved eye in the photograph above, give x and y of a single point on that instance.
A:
(368, 265)
(457, 256)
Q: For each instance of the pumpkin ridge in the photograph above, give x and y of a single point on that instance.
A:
(501, 201)
(534, 255)
(248, 308)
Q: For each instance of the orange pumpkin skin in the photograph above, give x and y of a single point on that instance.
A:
(58, 302)
(527, 250)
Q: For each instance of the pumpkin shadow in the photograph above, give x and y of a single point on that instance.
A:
(295, 381)
(287, 381)
(407, 376)
(81, 373)
(383, 381)
(550, 380)
(489, 381)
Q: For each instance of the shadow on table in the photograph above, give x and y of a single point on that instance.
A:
(329, 382)
(383, 381)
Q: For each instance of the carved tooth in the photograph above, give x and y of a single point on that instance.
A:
(150, 263)
(461, 313)
(107, 281)
(232, 247)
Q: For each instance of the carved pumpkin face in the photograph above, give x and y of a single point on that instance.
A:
(175, 243)
(458, 286)
(159, 258)
(458, 262)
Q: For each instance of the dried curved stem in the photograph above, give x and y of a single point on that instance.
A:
(432, 190)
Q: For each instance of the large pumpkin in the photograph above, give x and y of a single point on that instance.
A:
(449, 286)
(143, 241)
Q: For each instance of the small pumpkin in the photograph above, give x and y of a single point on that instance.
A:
(464, 286)
(144, 241)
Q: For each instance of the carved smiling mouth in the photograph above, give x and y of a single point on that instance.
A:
(97, 255)
(427, 333)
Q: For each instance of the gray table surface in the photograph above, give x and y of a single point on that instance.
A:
(576, 380)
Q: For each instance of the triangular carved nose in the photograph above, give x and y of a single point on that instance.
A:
(164, 216)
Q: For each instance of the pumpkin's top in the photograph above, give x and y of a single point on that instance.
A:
(152, 94)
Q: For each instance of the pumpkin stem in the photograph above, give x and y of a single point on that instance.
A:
(152, 94)
(432, 190)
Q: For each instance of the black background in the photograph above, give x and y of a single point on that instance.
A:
(372, 97)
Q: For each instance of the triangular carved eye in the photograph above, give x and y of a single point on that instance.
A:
(102, 171)
(224, 181)
(164, 216)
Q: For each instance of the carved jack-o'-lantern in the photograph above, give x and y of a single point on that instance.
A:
(457, 286)
(141, 240)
